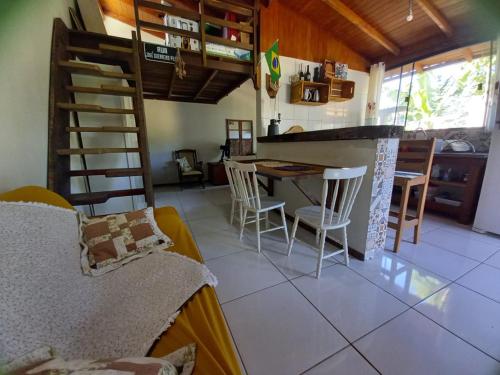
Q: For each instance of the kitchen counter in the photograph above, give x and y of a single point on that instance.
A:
(373, 146)
(342, 134)
(458, 155)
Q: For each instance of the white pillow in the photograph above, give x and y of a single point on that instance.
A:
(184, 164)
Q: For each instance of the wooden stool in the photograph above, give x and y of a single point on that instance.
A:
(413, 168)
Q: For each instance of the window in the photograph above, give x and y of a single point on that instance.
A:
(440, 92)
(240, 135)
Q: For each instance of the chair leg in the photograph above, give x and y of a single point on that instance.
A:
(294, 230)
(242, 223)
(317, 236)
(320, 253)
(403, 206)
(240, 204)
(232, 211)
(283, 219)
(420, 212)
(257, 227)
(346, 247)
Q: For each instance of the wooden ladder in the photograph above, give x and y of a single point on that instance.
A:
(67, 45)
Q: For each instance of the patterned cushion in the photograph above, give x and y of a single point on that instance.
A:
(113, 240)
(180, 362)
(184, 164)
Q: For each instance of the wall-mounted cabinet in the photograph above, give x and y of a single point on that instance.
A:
(341, 89)
(309, 93)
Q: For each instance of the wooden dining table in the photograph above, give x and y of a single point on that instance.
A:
(282, 170)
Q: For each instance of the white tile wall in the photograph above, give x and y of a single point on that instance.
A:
(329, 116)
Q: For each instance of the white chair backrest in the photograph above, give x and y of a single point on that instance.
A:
(229, 166)
(246, 186)
(347, 179)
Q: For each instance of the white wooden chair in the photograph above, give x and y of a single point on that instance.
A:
(235, 200)
(336, 216)
(247, 190)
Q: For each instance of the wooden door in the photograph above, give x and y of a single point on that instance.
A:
(240, 135)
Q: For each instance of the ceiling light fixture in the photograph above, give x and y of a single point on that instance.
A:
(409, 17)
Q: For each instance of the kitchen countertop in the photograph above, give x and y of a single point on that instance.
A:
(470, 155)
(341, 134)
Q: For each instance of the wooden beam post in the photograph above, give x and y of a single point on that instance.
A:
(203, 41)
(363, 25)
(468, 55)
(436, 16)
(207, 82)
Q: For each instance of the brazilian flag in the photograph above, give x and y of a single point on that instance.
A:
(273, 61)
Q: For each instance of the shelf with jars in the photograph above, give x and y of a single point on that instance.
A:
(309, 93)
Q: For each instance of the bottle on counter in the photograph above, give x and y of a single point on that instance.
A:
(308, 75)
(301, 73)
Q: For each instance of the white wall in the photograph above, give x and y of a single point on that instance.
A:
(172, 126)
(25, 39)
(329, 116)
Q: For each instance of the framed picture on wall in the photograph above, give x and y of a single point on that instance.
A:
(240, 135)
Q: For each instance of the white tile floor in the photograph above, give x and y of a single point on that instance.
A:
(433, 308)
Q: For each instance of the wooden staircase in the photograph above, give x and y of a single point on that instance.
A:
(66, 49)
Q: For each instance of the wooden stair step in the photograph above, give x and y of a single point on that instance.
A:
(102, 129)
(113, 48)
(113, 172)
(104, 90)
(96, 151)
(84, 51)
(94, 70)
(102, 196)
(93, 108)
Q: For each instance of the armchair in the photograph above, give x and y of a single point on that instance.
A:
(196, 172)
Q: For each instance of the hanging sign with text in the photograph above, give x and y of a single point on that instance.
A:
(157, 52)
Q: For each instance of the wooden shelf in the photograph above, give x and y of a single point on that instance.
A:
(309, 103)
(341, 89)
(242, 10)
(298, 90)
(457, 184)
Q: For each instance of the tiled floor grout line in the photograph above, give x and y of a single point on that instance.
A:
(234, 341)
(431, 271)
(399, 299)
(435, 245)
(454, 334)
(336, 329)
(315, 308)
(450, 251)
(255, 291)
(410, 307)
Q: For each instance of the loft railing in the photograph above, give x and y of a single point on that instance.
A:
(209, 13)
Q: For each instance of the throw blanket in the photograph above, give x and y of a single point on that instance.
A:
(46, 300)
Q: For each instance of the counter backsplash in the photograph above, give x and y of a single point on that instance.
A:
(479, 137)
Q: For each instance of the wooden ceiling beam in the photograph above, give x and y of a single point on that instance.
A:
(468, 55)
(436, 16)
(205, 85)
(435, 45)
(363, 25)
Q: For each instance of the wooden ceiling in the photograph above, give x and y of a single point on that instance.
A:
(378, 29)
